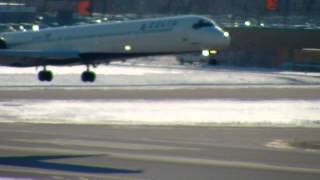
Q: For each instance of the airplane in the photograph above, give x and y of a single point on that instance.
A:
(95, 44)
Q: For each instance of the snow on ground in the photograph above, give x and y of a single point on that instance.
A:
(160, 75)
(175, 112)
(179, 112)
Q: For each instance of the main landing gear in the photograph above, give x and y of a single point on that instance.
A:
(88, 76)
(45, 75)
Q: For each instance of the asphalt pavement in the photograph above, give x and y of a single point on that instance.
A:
(39, 151)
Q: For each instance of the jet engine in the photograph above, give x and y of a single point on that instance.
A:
(3, 43)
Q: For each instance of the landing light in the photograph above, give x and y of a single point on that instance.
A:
(213, 52)
(127, 48)
(35, 28)
(262, 24)
(205, 53)
(226, 34)
(247, 23)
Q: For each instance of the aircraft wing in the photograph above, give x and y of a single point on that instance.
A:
(39, 54)
(72, 54)
(28, 58)
(128, 55)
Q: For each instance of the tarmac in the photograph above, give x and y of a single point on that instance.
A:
(42, 151)
(192, 93)
(59, 131)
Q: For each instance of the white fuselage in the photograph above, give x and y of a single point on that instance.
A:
(153, 35)
(160, 35)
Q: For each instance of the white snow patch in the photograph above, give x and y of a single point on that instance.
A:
(180, 112)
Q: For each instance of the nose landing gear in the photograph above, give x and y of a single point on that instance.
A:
(210, 55)
(213, 62)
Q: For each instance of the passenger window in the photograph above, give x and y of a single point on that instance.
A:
(201, 24)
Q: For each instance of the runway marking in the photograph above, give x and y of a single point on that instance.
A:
(279, 144)
(284, 145)
(172, 159)
(107, 144)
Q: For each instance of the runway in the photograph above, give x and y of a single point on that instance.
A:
(142, 152)
(159, 122)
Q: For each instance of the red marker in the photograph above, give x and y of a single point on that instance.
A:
(84, 8)
(272, 5)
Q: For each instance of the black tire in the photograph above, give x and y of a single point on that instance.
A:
(213, 62)
(84, 76)
(88, 76)
(41, 76)
(45, 76)
(181, 62)
(48, 76)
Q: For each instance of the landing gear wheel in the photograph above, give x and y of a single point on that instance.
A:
(181, 62)
(213, 62)
(88, 76)
(45, 76)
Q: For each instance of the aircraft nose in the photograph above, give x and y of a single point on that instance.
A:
(218, 39)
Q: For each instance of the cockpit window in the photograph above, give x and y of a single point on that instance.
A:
(202, 23)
